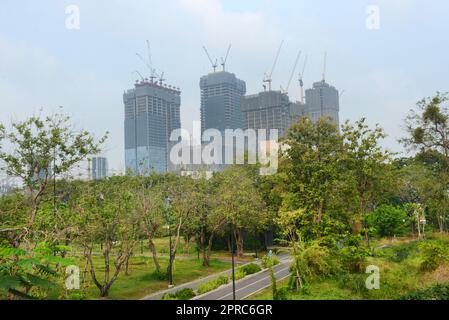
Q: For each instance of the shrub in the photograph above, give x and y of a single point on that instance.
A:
(353, 254)
(433, 255)
(437, 292)
(213, 284)
(239, 274)
(387, 220)
(185, 294)
(268, 262)
(355, 282)
(251, 268)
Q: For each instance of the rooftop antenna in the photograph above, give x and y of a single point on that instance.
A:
(268, 78)
(301, 82)
(214, 64)
(324, 67)
(223, 61)
(293, 71)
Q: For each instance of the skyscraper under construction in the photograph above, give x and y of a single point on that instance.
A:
(152, 112)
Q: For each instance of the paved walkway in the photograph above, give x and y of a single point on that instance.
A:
(244, 287)
(250, 284)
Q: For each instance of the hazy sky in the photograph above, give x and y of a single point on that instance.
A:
(383, 71)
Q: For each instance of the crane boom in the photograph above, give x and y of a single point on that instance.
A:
(293, 71)
(268, 78)
(214, 65)
(223, 61)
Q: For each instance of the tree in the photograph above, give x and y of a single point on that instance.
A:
(240, 202)
(150, 212)
(106, 215)
(388, 220)
(428, 126)
(309, 169)
(367, 170)
(42, 148)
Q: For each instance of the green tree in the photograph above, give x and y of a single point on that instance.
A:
(106, 216)
(38, 149)
(387, 220)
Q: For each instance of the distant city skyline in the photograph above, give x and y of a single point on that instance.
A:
(382, 72)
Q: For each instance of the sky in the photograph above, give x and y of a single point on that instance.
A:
(384, 68)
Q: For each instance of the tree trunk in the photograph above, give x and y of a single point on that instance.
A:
(239, 241)
(206, 257)
(152, 248)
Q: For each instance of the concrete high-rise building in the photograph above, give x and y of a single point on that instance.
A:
(322, 100)
(152, 112)
(267, 110)
(221, 95)
(99, 169)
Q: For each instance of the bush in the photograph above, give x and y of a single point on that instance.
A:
(353, 254)
(437, 292)
(183, 294)
(268, 262)
(355, 282)
(251, 268)
(433, 255)
(387, 220)
(239, 274)
(211, 285)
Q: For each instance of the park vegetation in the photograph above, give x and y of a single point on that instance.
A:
(336, 195)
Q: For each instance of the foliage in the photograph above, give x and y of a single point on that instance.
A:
(212, 285)
(250, 268)
(433, 254)
(183, 294)
(353, 254)
(269, 261)
(387, 220)
(436, 292)
(30, 274)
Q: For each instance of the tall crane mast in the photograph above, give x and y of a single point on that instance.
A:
(268, 78)
(301, 82)
(223, 61)
(324, 67)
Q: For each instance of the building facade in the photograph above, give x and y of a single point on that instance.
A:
(99, 169)
(221, 95)
(267, 110)
(322, 100)
(152, 112)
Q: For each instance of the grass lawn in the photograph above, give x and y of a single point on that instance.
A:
(142, 280)
(400, 274)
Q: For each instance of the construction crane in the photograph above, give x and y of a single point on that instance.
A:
(214, 64)
(138, 73)
(293, 71)
(268, 77)
(324, 67)
(149, 63)
(223, 61)
(301, 82)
